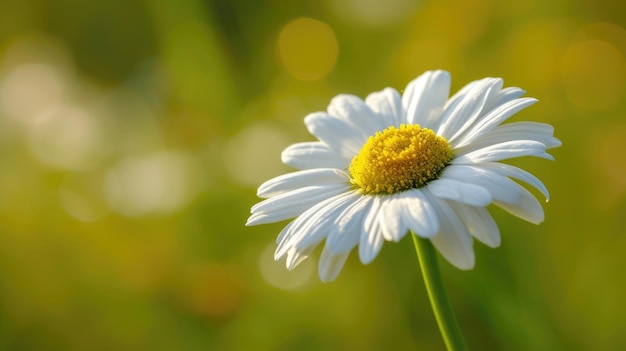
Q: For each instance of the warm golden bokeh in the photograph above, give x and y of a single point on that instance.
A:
(133, 136)
(307, 48)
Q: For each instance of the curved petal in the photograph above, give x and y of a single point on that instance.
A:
(501, 188)
(464, 111)
(330, 265)
(286, 230)
(506, 193)
(348, 228)
(542, 132)
(295, 257)
(503, 151)
(321, 225)
(418, 213)
(292, 204)
(355, 111)
(492, 119)
(372, 239)
(517, 173)
(539, 132)
(392, 224)
(505, 95)
(387, 104)
(425, 97)
(314, 154)
(527, 208)
(466, 193)
(312, 226)
(296, 180)
(453, 240)
(339, 135)
(479, 223)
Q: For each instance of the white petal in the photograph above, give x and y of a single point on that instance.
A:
(285, 232)
(463, 112)
(359, 115)
(292, 181)
(295, 257)
(517, 173)
(339, 135)
(293, 203)
(314, 154)
(312, 226)
(418, 213)
(305, 196)
(466, 193)
(506, 193)
(346, 232)
(330, 265)
(505, 95)
(372, 239)
(503, 151)
(453, 241)
(425, 97)
(388, 105)
(319, 227)
(479, 223)
(501, 188)
(539, 132)
(492, 119)
(527, 208)
(391, 218)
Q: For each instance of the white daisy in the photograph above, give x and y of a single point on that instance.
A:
(420, 162)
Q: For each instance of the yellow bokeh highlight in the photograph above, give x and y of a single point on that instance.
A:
(593, 74)
(431, 45)
(536, 50)
(609, 32)
(606, 157)
(307, 48)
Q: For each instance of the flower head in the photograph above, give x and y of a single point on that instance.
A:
(419, 162)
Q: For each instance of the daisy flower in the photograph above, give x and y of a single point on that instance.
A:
(422, 162)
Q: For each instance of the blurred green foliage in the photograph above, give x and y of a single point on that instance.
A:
(133, 135)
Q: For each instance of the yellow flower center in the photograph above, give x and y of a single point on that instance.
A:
(396, 160)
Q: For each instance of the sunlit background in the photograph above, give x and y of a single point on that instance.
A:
(133, 135)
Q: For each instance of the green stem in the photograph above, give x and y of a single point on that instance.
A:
(437, 294)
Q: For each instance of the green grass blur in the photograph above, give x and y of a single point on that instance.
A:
(133, 135)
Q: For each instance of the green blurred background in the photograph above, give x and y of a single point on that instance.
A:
(133, 135)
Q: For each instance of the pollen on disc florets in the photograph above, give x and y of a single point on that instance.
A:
(399, 159)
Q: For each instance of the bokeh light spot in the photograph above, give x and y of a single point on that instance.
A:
(307, 48)
(609, 32)
(277, 275)
(536, 50)
(607, 161)
(68, 137)
(29, 89)
(161, 183)
(252, 156)
(593, 74)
